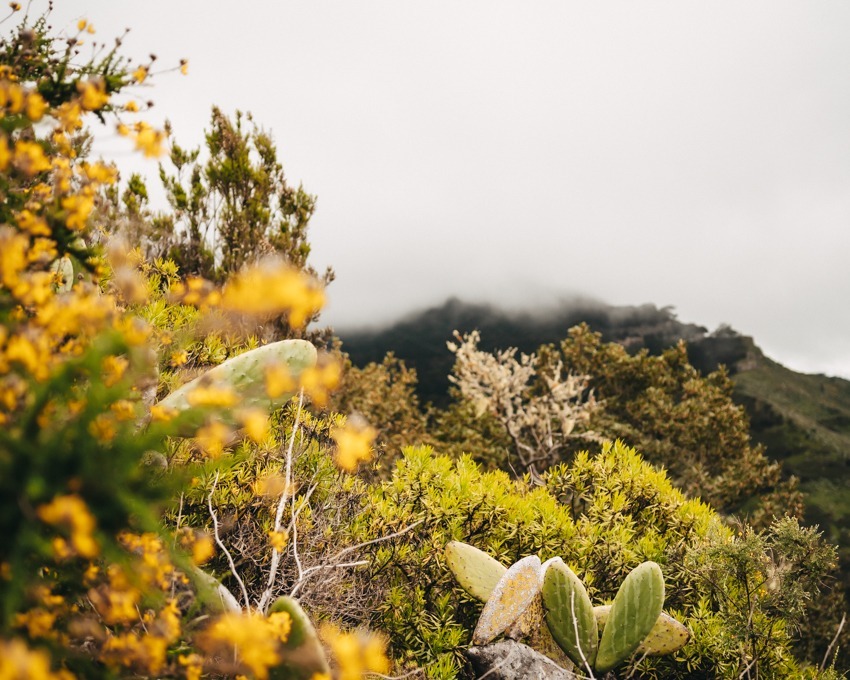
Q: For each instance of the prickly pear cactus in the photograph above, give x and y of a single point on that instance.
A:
(569, 614)
(475, 570)
(245, 375)
(515, 592)
(633, 614)
(303, 655)
(667, 635)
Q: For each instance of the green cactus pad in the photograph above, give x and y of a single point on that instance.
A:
(634, 613)
(513, 594)
(667, 635)
(211, 593)
(475, 570)
(303, 655)
(569, 613)
(245, 375)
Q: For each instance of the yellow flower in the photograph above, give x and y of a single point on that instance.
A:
(78, 208)
(35, 106)
(140, 74)
(274, 289)
(254, 639)
(256, 424)
(114, 368)
(203, 549)
(184, 67)
(354, 444)
(34, 224)
(131, 106)
(70, 115)
(149, 141)
(278, 380)
(5, 153)
(212, 438)
(278, 540)
(29, 158)
(81, 24)
(93, 94)
(71, 511)
(319, 381)
(212, 395)
(16, 6)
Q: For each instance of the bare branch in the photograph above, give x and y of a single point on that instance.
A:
(224, 547)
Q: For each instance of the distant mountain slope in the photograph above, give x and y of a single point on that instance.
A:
(804, 420)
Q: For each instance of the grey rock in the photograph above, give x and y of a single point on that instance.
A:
(511, 660)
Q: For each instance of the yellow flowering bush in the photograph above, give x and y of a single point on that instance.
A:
(92, 583)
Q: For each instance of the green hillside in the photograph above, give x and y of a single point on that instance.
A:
(803, 420)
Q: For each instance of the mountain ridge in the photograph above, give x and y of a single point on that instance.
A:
(803, 419)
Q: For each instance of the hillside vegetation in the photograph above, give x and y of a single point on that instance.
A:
(196, 482)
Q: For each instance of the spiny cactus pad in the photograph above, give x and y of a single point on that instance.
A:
(667, 635)
(569, 613)
(635, 611)
(513, 594)
(475, 570)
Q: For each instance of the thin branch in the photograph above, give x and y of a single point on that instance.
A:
(332, 561)
(834, 640)
(575, 628)
(224, 547)
(266, 597)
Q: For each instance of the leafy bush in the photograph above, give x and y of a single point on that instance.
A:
(603, 514)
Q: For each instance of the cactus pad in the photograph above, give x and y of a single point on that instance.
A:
(475, 570)
(667, 635)
(634, 613)
(569, 614)
(303, 656)
(513, 594)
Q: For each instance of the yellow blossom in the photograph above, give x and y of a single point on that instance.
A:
(212, 395)
(278, 380)
(255, 641)
(149, 141)
(184, 67)
(93, 95)
(140, 74)
(161, 414)
(131, 106)
(114, 368)
(5, 153)
(69, 115)
(354, 445)
(16, 6)
(17, 662)
(319, 381)
(35, 106)
(81, 24)
(71, 512)
(274, 289)
(178, 358)
(34, 224)
(29, 158)
(78, 208)
(256, 424)
(213, 438)
(356, 653)
(278, 540)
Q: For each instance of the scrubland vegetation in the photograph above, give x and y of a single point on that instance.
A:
(190, 489)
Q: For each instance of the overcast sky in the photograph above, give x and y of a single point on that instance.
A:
(693, 154)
